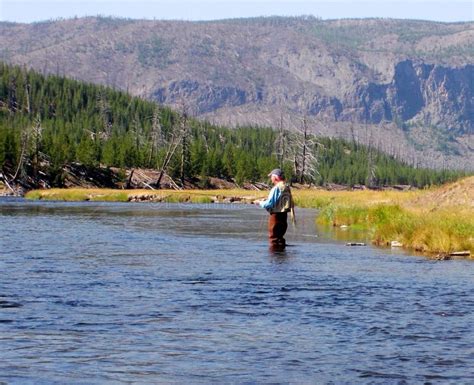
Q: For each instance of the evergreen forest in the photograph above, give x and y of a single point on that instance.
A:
(47, 122)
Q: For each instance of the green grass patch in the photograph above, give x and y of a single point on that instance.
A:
(433, 232)
(352, 215)
(78, 195)
(187, 198)
(63, 195)
(110, 197)
(33, 195)
(202, 199)
(311, 201)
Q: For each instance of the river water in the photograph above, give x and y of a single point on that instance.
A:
(94, 293)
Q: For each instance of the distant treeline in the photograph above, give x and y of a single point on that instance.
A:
(48, 122)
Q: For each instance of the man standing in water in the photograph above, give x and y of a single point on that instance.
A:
(279, 203)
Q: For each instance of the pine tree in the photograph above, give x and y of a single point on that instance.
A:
(85, 151)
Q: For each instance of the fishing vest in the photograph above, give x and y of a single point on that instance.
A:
(285, 202)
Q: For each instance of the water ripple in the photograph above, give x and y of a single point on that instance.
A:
(113, 293)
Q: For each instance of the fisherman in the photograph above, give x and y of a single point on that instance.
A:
(279, 203)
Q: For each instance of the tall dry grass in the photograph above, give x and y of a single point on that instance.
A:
(394, 217)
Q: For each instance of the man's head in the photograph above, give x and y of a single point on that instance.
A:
(276, 175)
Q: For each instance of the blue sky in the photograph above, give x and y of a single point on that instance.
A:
(39, 10)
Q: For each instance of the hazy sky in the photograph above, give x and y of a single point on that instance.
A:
(38, 10)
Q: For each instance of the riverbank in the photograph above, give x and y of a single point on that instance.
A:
(141, 195)
(437, 222)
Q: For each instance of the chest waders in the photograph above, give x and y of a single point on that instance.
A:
(278, 220)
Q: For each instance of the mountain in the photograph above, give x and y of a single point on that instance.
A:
(405, 87)
(55, 131)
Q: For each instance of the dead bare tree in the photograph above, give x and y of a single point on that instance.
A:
(13, 105)
(28, 101)
(170, 150)
(156, 134)
(30, 150)
(104, 109)
(174, 141)
(36, 137)
(20, 170)
(353, 136)
(281, 143)
(137, 132)
(371, 166)
(184, 135)
(304, 152)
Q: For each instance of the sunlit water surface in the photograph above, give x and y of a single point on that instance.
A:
(157, 293)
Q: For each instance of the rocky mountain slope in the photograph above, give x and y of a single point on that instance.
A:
(403, 86)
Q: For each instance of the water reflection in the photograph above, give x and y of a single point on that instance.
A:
(343, 234)
(278, 254)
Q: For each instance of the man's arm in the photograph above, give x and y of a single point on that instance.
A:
(272, 199)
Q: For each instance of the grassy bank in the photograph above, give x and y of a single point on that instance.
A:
(168, 196)
(78, 194)
(441, 232)
(435, 221)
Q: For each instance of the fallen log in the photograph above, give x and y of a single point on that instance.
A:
(463, 253)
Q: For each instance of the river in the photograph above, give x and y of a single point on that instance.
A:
(94, 293)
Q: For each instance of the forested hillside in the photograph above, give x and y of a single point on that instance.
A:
(49, 122)
(403, 86)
